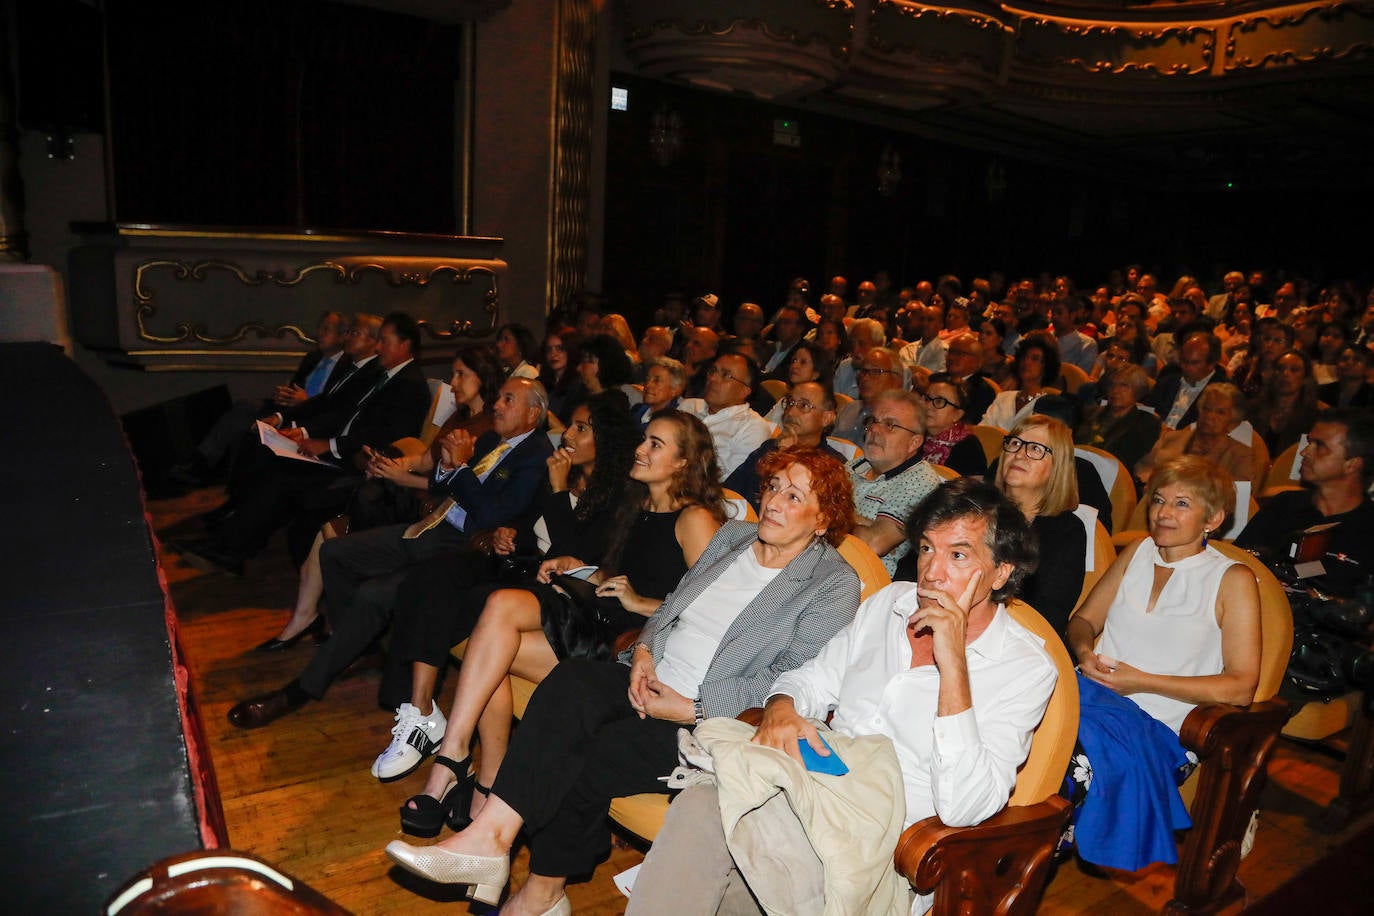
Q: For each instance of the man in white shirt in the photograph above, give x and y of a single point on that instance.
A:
(937, 666)
(1074, 346)
(736, 429)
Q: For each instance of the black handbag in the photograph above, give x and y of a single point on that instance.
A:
(577, 622)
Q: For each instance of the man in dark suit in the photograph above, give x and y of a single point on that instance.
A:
(789, 327)
(1174, 396)
(312, 376)
(371, 409)
(962, 360)
(489, 483)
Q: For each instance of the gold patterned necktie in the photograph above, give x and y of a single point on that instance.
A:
(487, 462)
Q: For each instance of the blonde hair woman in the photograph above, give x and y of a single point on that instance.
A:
(1036, 472)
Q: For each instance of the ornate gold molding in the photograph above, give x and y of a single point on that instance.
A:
(1334, 27)
(571, 151)
(398, 271)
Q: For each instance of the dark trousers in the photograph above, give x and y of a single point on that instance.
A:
(361, 573)
(579, 745)
(268, 491)
(437, 605)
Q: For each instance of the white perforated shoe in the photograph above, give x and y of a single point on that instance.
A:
(413, 738)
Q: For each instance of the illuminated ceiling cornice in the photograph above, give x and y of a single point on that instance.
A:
(1189, 88)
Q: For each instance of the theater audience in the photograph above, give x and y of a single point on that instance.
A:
(1173, 623)
(396, 485)
(806, 365)
(664, 381)
(1269, 340)
(486, 483)
(948, 440)
(1119, 426)
(937, 667)
(1336, 471)
(1035, 366)
(879, 371)
(1036, 472)
(890, 479)
(603, 365)
(1174, 397)
(318, 371)
(724, 407)
(964, 361)
(864, 335)
(1288, 404)
(760, 601)
(996, 365)
(807, 414)
(1351, 387)
(558, 372)
(517, 351)
(1220, 410)
(659, 527)
(272, 490)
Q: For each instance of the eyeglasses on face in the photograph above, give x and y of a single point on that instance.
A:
(939, 403)
(870, 371)
(718, 372)
(888, 424)
(1034, 450)
(804, 406)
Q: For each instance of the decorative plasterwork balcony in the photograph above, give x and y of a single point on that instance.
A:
(185, 297)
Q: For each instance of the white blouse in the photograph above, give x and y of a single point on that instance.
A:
(1180, 636)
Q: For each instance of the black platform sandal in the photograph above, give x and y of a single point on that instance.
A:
(422, 816)
(460, 803)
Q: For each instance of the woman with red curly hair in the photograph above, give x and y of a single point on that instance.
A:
(762, 599)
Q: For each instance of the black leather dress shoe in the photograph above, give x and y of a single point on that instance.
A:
(315, 631)
(264, 710)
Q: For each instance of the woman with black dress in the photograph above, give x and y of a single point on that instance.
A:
(666, 518)
(1036, 472)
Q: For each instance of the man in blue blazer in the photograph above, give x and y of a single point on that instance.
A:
(487, 483)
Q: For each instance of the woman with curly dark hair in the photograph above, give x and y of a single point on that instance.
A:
(1035, 366)
(558, 371)
(398, 483)
(517, 351)
(669, 510)
(1287, 407)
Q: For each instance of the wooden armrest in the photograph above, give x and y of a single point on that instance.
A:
(929, 848)
(752, 716)
(626, 640)
(1211, 725)
(1233, 744)
(999, 866)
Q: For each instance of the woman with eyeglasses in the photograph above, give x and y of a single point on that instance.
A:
(1036, 472)
(949, 441)
(1035, 366)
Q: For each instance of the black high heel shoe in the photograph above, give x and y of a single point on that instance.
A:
(427, 816)
(315, 630)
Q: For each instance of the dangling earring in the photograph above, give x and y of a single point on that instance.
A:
(1205, 532)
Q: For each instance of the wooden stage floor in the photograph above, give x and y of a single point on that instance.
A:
(298, 793)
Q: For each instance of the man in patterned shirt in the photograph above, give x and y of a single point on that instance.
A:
(890, 480)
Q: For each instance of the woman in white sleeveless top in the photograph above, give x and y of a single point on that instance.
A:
(1173, 623)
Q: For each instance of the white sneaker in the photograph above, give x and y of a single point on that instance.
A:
(413, 738)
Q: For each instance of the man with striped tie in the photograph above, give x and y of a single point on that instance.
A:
(485, 484)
